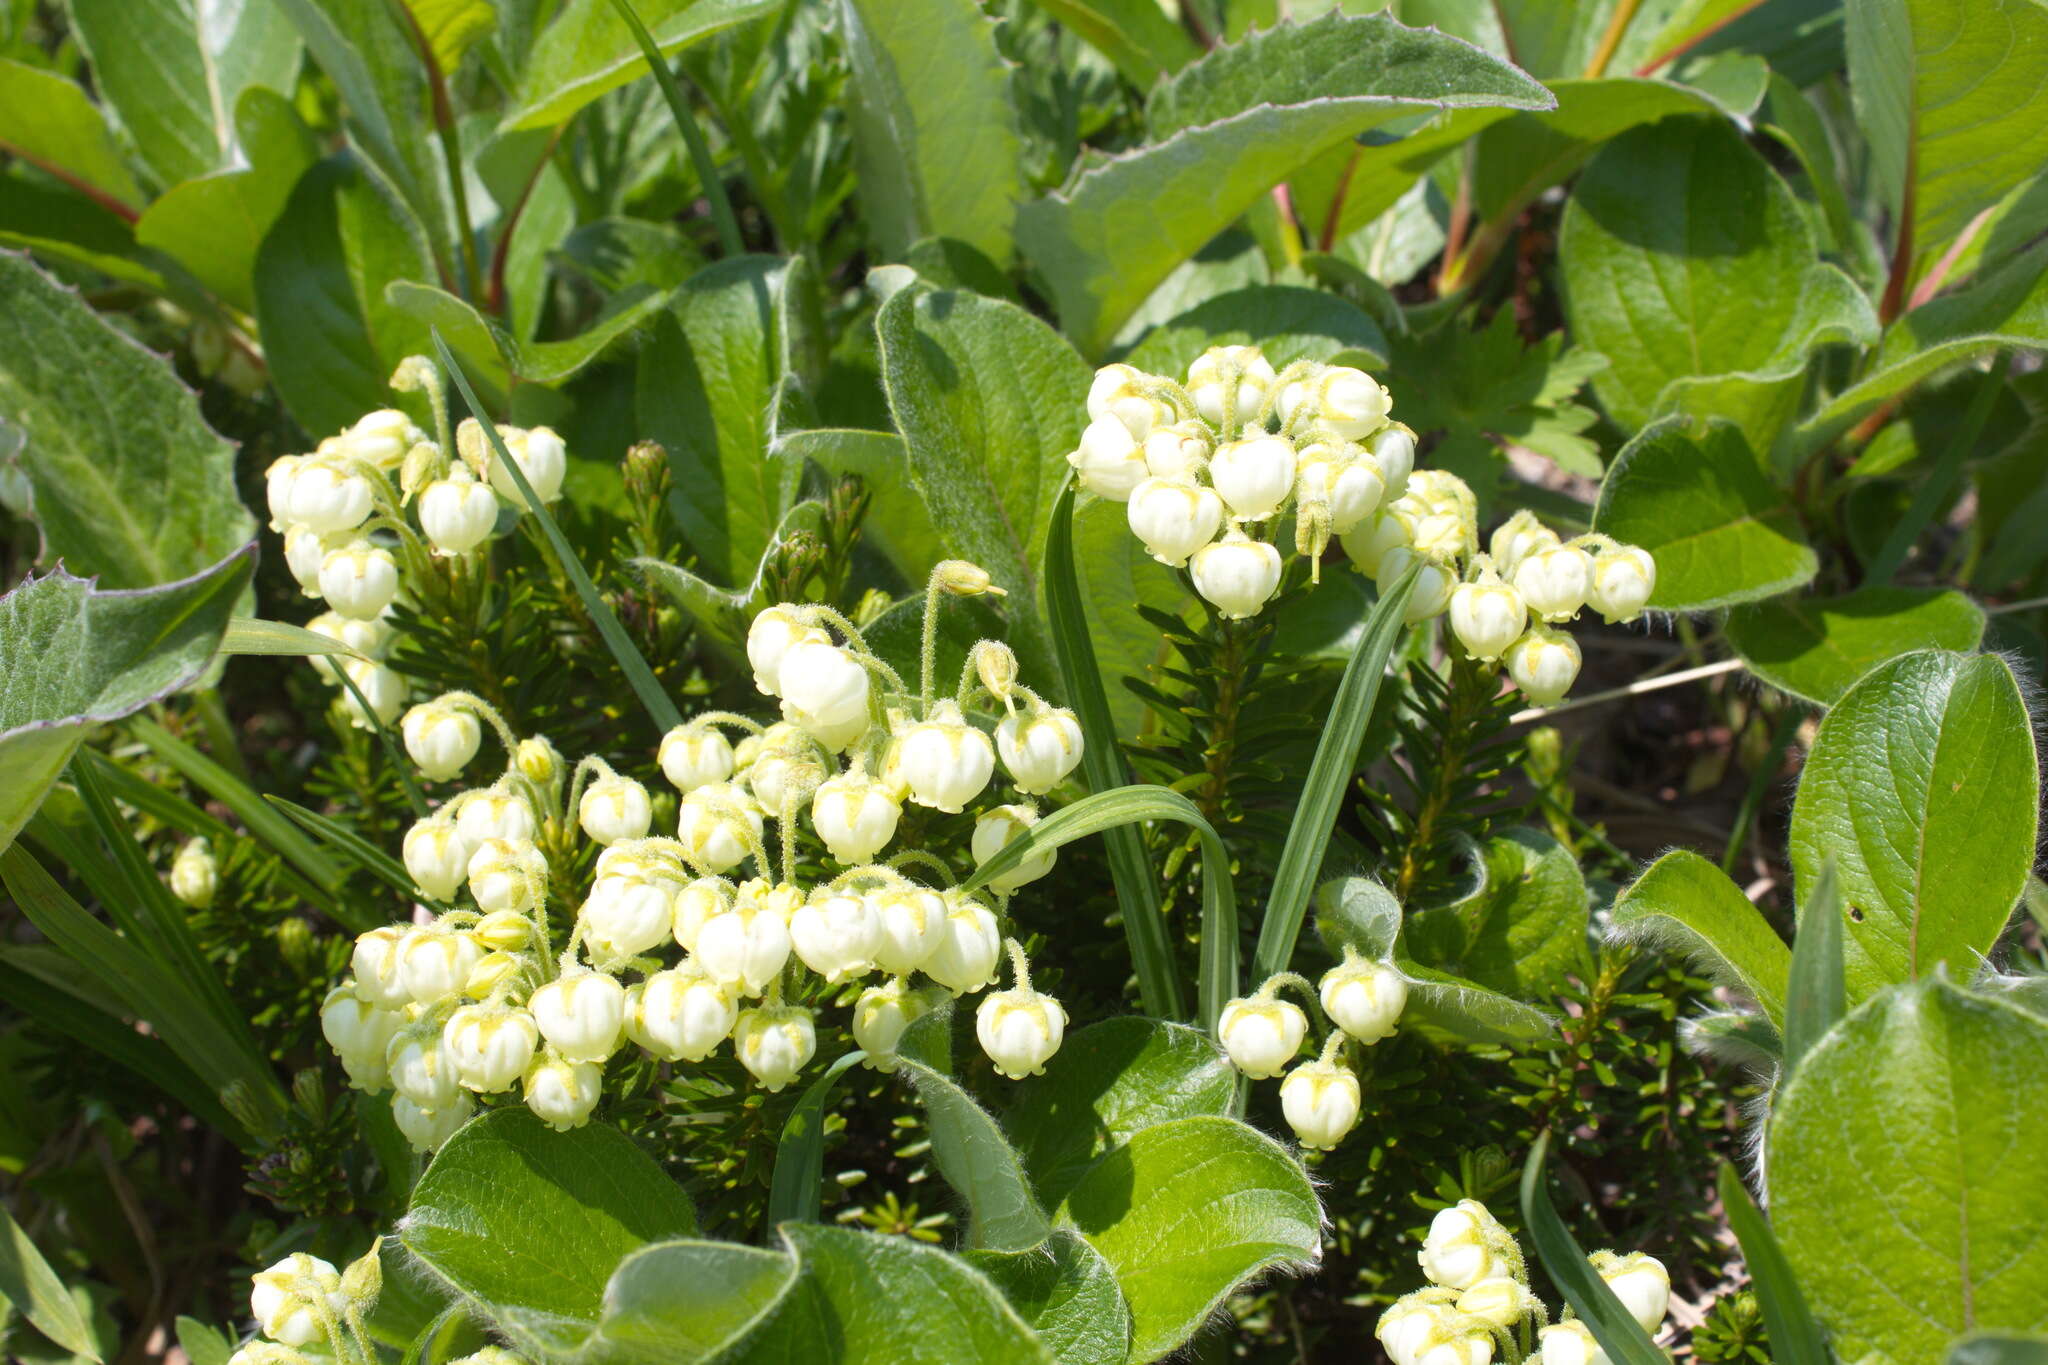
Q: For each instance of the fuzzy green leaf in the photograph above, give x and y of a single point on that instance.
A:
(681, 1302)
(49, 121)
(1069, 1298)
(1521, 929)
(1685, 903)
(979, 1163)
(1285, 321)
(1817, 647)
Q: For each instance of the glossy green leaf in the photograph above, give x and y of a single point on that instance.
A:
(676, 1303)
(588, 50)
(1185, 1212)
(1721, 533)
(28, 1283)
(1816, 996)
(1817, 647)
(1795, 1336)
(530, 1223)
(1070, 1298)
(175, 70)
(1619, 1334)
(72, 657)
(49, 121)
(990, 401)
(934, 131)
(1685, 256)
(1111, 1081)
(1521, 929)
(130, 484)
(1227, 129)
(1285, 321)
(1904, 1172)
(1685, 904)
(1137, 35)
(1922, 785)
(979, 1163)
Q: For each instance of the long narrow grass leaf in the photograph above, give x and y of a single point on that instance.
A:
(392, 753)
(1816, 994)
(28, 1282)
(251, 635)
(641, 678)
(1619, 1334)
(793, 1195)
(729, 239)
(1795, 1336)
(346, 843)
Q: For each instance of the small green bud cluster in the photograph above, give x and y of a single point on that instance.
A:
(476, 999)
(1479, 1304)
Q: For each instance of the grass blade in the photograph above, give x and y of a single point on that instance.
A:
(1619, 1334)
(1815, 996)
(1795, 1336)
(27, 1282)
(358, 850)
(250, 635)
(800, 1157)
(1329, 776)
(392, 754)
(729, 240)
(638, 674)
(1137, 890)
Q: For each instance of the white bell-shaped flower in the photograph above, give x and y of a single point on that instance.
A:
(195, 875)
(1350, 404)
(1174, 517)
(490, 1048)
(374, 964)
(382, 438)
(695, 905)
(1393, 450)
(440, 738)
(421, 1071)
(1356, 490)
(437, 856)
(1369, 543)
(1465, 1244)
(1621, 583)
(305, 549)
(1261, 1034)
(626, 916)
(1433, 585)
(1544, 663)
(1110, 383)
(1209, 382)
(825, 690)
(429, 1129)
(615, 808)
(855, 815)
(1363, 998)
(582, 1013)
(277, 489)
(290, 1300)
(970, 944)
(1237, 575)
(457, 513)
(680, 1015)
(1515, 539)
(360, 1034)
(1109, 461)
(562, 1092)
(995, 828)
(540, 455)
(1120, 391)
(1487, 616)
(1640, 1282)
(494, 814)
(775, 1043)
(880, 1016)
(1554, 581)
(382, 688)
(1408, 1324)
(1568, 1343)
(435, 963)
(502, 873)
(1039, 748)
(1180, 451)
(774, 632)
(692, 757)
(945, 761)
(911, 922)
(1321, 1101)
(718, 824)
(836, 935)
(327, 497)
(359, 579)
(1254, 476)
(745, 948)
(768, 775)
(1020, 1030)
(371, 639)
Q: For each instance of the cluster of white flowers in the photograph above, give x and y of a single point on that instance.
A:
(1362, 1001)
(475, 1000)
(1478, 1296)
(304, 1301)
(342, 511)
(1204, 464)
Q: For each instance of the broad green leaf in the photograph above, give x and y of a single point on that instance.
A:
(1905, 1175)
(706, 376)
(1287, 322)
(2000, 1348)
(675, 1303)
(58, 225)
(897, 523)
(1185, 1212)
(1795, 1336)
(530, 1222)
(1466, 1010)
(588, 50)
(1360, 914)
(1816, 997)
(1137, 35)
(130, 484)
(1922, 785)
(1069, 1298)
(725, 615)
(1621, 1337)
(175, 72)
(1111, 1081)
(33, 1289)
(483, 346)
(1521, 929)
(329, 335)
(203, 1345)
(1684, 255)
(1120, 577)
(500, 358)
(864, 1296)
(1226, 130)
(452, 27)
(1684, 903)
(1953, 98)
(933, 124)
(1816, 647)
(1721, 534)
(617, 253)
(214, 225)
(48, 121)
(979, 1163)
(989, 401)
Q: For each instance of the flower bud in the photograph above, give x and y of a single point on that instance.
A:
(381, 687)
(457, 513)
(267, 1353)
(1487, 617)
(429, 1129)
(375, 965)
(910, 920)
(1209, 382)
(1109, 461)
(1409, 1325)
(1174, 517)
(964, 578)
(1039, 749)
(1554, 581)
(775, 630)
(1502, 1301)
(1568, 1343)
(680, 1015)
(360, 1035)
(381, 438)
(359, 580)
(489, 1048)
(195, 877)
(1020, 1030)
(305, 549)
(440, 738)
(718, 824)
(1464, 1245)
(855, 815)
(1515, 539)
(824, 690)
(1321, 1101)
(775, 1043)
(695, 905)
(1622, 580)
(1237, 575)
(1179, 451)
(437, 856)
(290, 1300)
(540, 455)
(745, 948)
(1544, 663)
(493, 814)
(502, 873)
(615, 808)
(835, 935)
(277, 489)
(538, 760)
(692, 757)
(1350, 404)
(561, 1093)
(581, 1013)
(1393, 450)
(1119, 391)
(625, 916)
(995, 664)
(1640, 1282)
(435, 963)
(768, 776)
(1110, 383)
(362, 1284)
(326, 498)
(1363, 998)
(970, 944)
(880, 1016)
(945, 761)
(421, 1071)
(1254, 476)
(503, 930)
(995, 828)
(491, 971)
(1261, 1035)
